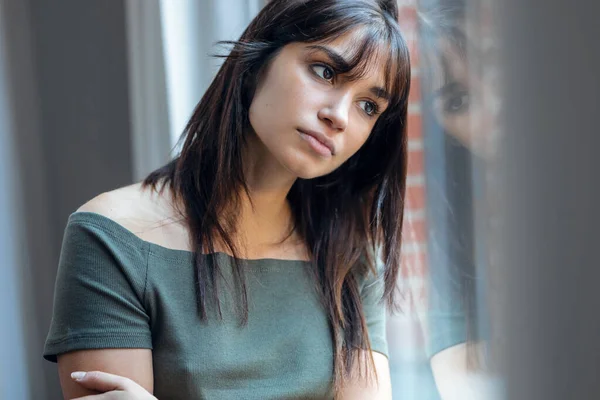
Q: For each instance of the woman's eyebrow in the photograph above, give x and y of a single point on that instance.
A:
(380, 93)
(339, 62)
(447, 88)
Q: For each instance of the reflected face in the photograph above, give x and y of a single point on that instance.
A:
(309, 117)
(462, 98)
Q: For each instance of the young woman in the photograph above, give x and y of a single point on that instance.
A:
(246, 267)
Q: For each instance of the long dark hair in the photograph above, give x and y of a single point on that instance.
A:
(346, 217)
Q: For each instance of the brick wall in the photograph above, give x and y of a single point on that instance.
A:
(405, 331)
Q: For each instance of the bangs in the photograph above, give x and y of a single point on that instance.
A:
(376, 49)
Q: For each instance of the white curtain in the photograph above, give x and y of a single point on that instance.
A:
(170, 47)
(23, 212)
(190, 29)
(12, 377)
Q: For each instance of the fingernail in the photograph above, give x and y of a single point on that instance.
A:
(78, 375)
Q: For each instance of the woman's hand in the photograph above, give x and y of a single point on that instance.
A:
(113, 387)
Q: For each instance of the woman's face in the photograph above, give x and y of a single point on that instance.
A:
(310, 119)
(463, 99)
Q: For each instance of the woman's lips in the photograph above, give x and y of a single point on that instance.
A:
(320, 143)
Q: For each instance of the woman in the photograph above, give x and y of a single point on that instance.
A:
(245, 268)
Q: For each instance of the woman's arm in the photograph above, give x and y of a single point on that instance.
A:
(381, 390)
(135, 364)
(457, 382)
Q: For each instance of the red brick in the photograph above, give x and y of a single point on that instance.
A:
(407, 18)
(415, 90)
(414, 126)
(414, 265)
(413, 51)
(415, 197)
(414, 231)
(416, 162)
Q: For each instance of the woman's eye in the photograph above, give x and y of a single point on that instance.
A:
(370, 107)
(457, 103)
(324, 72)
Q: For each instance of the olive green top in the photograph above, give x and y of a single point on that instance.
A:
(115, 290)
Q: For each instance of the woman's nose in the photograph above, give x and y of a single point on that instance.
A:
(335, 114)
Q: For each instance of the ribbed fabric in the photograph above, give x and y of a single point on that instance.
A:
(114, 290)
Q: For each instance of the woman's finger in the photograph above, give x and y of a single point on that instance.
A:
(103, 382)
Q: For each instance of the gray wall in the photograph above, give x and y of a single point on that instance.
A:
(82, 73)
(64, 84)
(549, 259)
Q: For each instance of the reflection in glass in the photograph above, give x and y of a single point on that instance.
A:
(452, 132)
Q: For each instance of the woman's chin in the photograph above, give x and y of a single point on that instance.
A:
(303, 172)
(305, 166)
(306, 171)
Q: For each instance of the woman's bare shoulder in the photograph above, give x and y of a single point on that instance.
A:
(145, 212)
(125, 203)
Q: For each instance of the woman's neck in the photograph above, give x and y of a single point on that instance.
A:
(264, 218)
